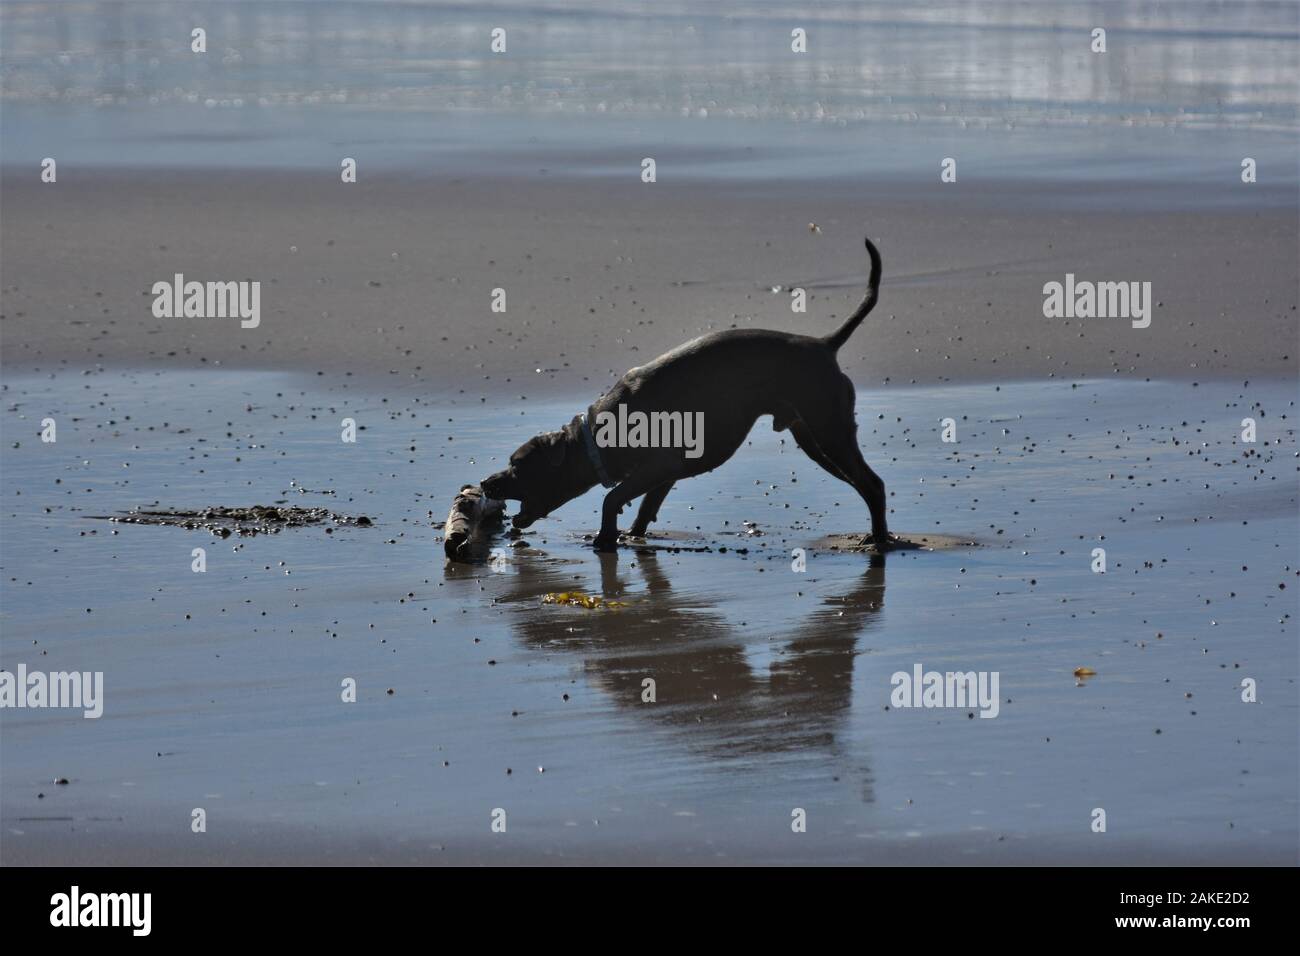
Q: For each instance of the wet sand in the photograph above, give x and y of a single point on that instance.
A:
(773, 645)
(223, 689)
(392, 279)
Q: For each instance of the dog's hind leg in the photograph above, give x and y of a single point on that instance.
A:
(830, 428)
(804, 439)
(842, 449)
(649, 510)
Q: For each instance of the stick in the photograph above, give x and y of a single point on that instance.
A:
(471, 511)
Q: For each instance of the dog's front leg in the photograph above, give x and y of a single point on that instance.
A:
(649, 510)
(615, 502)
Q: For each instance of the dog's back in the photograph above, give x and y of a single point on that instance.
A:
(762, 368)
(746, 366)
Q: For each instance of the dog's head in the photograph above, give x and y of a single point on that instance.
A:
(544, 473)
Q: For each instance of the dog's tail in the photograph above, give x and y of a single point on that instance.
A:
(841, 335)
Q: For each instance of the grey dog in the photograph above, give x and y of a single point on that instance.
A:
(733, 378)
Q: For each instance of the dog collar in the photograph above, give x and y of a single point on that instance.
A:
(593, 453)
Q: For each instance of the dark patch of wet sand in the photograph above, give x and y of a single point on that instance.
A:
(223, 521)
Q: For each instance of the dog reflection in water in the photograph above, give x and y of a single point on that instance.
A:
(704, 683)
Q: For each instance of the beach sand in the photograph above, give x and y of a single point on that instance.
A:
(223, 690)
(337, 694)
(394, 279)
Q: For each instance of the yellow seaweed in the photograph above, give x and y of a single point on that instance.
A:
(578, 599)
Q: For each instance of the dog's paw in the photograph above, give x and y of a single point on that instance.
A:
(605, 543)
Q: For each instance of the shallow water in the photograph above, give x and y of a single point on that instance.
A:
(222, 688)
(1011, 89)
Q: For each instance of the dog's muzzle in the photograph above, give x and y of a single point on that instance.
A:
(499, 486)
(503, 486)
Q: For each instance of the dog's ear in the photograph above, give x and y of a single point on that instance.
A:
(556, 448)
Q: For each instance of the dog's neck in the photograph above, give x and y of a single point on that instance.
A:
(581, 473)
(588, 441)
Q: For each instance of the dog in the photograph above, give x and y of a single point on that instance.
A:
(733, 378)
